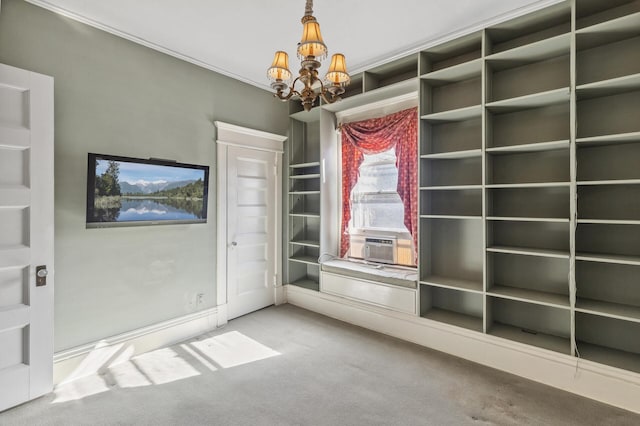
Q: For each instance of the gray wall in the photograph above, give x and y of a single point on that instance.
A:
(113, 96)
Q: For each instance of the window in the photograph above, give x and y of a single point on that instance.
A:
(375, 203)
(379, 202)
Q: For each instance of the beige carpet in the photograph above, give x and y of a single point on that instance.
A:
(287, 366)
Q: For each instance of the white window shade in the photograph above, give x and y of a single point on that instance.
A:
(375, 203)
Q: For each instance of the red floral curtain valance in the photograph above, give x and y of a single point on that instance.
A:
(374, 136)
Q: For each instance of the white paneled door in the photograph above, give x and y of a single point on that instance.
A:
(26, 236)
(251, 230)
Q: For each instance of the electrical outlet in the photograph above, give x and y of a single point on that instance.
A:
(199, 299)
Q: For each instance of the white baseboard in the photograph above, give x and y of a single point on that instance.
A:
(610, 385)
(91, 358)
(280, 295)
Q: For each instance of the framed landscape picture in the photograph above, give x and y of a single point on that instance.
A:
(123, 191)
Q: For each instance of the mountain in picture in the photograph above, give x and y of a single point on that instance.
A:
(143, 187)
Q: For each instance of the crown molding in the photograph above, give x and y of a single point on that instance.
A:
(138, 40)
(390, 56)
(431, 42)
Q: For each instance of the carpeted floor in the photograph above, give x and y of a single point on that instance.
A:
(287, 366)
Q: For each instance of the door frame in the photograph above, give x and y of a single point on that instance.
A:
(243, 137)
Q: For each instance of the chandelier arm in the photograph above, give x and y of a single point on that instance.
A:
(292, 91)
(323, 93)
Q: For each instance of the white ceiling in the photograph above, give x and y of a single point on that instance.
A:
(239, 37)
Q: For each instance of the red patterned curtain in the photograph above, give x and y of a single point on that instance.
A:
(374, 136)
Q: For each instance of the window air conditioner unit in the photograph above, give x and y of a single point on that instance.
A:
(380, 249)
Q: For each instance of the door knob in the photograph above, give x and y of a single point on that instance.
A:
(41, 275)
(234, 243)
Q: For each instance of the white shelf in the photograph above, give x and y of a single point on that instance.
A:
(608, 309)
(614, 139)
(541, 340)
(307, 283)
(471, 153)
(609, 221)
(304, 165)
(534, 52)
(627, 83)
(307, 116)
(609, 356)
(454, 318)
(444, 216)
(558, 254)
(312, 176)
(610, 182)
(535, 100)
(453, 283)
(304, 214)
(528, 185)
(531, 147)
(455, 73)
(450, 188)
(310, 260)
(609, 258)
(528, 219)
(460, 114)
(304, 192)
(531, 296)
(609, 31)
(306, 243)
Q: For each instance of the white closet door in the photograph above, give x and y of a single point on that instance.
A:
(26, 236)
(251, 229)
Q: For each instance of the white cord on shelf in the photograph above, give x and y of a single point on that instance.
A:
(329, 255)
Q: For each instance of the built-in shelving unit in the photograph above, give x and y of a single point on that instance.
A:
(303, 188)
(608, 182)
(529, 179)
(451, 286)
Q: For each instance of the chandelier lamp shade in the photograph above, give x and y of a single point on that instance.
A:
(311, 50)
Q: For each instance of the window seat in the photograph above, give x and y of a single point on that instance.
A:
(379, 273)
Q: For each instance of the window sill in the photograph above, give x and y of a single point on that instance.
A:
(397, 276)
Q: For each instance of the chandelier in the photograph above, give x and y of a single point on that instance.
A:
(311, 50)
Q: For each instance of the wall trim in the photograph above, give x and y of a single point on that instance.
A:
(93, 357)
(607, 384)
(138, 40)
(244, 137)
(426, 44)
(221, 125)
(388, 57)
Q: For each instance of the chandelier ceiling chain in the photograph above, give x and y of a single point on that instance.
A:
(311, 50)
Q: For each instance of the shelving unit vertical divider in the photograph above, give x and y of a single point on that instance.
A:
(330, 179)
(486, 135)
(423, 66)
(424, 138)
(573, 190)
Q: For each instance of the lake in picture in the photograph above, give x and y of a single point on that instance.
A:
(156, 209)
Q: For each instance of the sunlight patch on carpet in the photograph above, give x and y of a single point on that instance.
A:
(116, 367)
(164, 366)
(232, 349)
